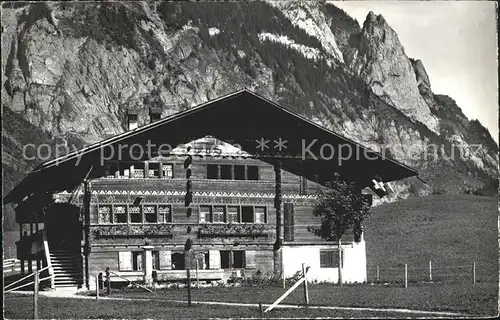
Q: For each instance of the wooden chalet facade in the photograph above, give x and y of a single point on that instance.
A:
(226, 194)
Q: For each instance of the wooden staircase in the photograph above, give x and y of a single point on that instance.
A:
(67, 268)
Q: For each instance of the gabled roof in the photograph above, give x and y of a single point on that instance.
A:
(244, 118)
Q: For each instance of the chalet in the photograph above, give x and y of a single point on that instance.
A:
(227, 187)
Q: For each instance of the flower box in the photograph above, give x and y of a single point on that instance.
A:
(232, 231)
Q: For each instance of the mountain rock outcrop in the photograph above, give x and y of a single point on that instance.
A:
(383, 64)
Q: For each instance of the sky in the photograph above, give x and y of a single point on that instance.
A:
(457, 43)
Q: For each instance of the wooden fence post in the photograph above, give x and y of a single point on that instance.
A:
(35, 296)
(283, 272)
(306, 291)
(474, 272)
(260, 310)
(108, 281)
(406, 275)
(378, 274)
(341, 280)
(197, 276)
(189, 286)
(97, 287)
(430, 270)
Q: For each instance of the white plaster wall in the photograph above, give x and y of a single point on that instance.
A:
(354, 262)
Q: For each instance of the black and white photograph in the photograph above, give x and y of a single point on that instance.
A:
(250, 159)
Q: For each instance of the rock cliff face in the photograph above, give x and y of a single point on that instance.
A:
(71, 70)
(382, 63)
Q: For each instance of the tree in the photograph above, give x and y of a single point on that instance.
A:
(341, 207)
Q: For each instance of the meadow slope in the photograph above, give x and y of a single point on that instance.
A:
(449, 230)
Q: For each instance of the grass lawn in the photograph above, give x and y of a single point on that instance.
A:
(479, 299)
(449, 230)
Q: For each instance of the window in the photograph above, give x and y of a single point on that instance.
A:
(238, 259)
(226, 172)
(138, 170)
(135, 214)
(246, 214)
(156, 260)
(150, 213)
(120, 213)
(229, 172)
(110, 169)
(138, 173)
(168, 170)
(260, 215)
(154, 117)
(225, 259)
(232, 259)
(252, 173)
(137, 261)
(329, 258)
(178, 261)
(239, 172)
(233, 214)
(154, 170)
(203, 260)
(164, 213)
(218, 214)
(125, 261)
(212, 171)
(205, 214)
(104, 212)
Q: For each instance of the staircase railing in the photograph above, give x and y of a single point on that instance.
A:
(47, 258)
(11, 287)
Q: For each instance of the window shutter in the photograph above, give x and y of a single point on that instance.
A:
(214, 259)
(289, 221)
(251, 261)
(125, 261)
(165, 260)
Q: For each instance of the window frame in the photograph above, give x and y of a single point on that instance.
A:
(231, 171)
(99, 220)
(239, 208)
(241, 167)
(171, 164)
(158, 214)
(152, 169)
(238, 214)
(115, 220)
(210, 214)
(135, 261)
(129, 214)
(172, 262)
(155, 214)
(231, 256)
(216, 167)
(247, 167)
(253, 213)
